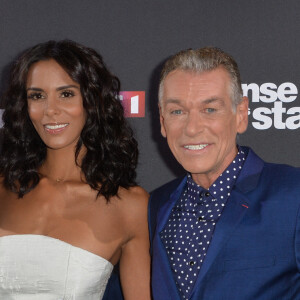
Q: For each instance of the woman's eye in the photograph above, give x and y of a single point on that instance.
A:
(35, 96)
(67, 94)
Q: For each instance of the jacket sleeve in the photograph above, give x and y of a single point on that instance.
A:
(153, 207)
(297, 240)
(113, 289)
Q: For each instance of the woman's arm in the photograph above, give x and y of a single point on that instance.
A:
(135, 257)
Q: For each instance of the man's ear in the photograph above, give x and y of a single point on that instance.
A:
(242, 115)
(162, 124)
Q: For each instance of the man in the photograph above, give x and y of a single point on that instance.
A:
(230, 229)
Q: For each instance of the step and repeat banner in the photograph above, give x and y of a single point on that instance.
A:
(136, 37)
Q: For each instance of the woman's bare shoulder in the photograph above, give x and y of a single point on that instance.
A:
(133, 197)
(133, 203)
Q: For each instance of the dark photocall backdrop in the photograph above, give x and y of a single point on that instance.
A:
(136, 37)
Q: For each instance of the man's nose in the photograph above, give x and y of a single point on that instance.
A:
(194, 124)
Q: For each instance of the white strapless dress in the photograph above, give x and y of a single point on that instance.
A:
(37, 267)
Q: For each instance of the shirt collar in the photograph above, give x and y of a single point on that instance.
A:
(221, 188)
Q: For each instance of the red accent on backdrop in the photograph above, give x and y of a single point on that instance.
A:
(133, 103)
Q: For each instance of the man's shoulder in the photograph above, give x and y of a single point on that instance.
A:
(283, 173)
(273, 170)
(274, 175)
(282, 167)
(161, 194)
(168, 187)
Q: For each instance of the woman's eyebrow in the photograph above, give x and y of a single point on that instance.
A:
(34, 89)
(67, 87)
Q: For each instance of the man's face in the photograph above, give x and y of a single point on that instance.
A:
(198, 120)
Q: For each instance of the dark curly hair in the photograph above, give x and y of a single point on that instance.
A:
(111, 157)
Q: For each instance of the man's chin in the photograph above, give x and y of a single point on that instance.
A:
(196, 170)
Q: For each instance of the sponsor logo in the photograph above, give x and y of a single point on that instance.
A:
(133, 103)
(278, 110)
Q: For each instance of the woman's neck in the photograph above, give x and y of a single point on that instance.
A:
(60, 165)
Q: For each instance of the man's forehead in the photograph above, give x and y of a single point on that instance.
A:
(207, 86)
(198, 73)
(211, 100)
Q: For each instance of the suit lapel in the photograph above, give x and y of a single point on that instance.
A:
(233, 213)
(165, 210)
(160, 256)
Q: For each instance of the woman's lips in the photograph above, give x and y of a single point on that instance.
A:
(55, 128)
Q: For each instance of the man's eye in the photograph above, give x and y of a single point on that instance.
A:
(35, 96)
(176, 112)
(67, 94)
(210, 110)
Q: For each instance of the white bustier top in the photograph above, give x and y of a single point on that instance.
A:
(37, 267)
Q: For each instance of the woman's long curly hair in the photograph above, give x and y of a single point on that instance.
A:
(111, 150)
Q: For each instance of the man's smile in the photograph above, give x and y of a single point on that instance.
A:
(195, 147)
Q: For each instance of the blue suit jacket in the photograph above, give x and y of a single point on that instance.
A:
(113, 289)
(255, 250)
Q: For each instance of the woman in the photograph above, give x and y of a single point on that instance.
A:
(69, 205)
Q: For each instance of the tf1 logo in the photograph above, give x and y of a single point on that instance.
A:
(133, 104)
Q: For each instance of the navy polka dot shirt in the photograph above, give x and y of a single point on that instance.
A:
(191, 224)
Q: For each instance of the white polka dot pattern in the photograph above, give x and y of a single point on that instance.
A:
(191, 224)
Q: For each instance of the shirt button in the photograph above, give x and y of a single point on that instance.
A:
(201, 219)
(207, 194)
(191, 263)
